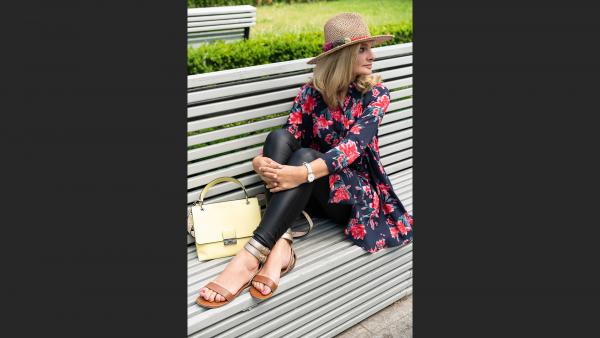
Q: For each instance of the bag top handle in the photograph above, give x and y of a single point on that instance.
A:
(219, 180)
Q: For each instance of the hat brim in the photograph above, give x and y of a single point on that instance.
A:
(378, 39)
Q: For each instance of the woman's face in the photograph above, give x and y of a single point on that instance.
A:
(364, 61)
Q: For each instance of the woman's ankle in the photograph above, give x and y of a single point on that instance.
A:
(249, 259)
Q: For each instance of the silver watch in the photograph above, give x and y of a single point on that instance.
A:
(311, 176)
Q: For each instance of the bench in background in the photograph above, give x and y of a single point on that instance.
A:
(335, 284)
(219, 23)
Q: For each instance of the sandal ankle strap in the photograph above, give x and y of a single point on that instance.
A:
(288, 235)
(257, 250)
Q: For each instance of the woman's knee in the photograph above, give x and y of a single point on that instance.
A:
(303, 155)
(279, 136)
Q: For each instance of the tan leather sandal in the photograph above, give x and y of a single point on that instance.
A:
(254, 292)
(255, 248)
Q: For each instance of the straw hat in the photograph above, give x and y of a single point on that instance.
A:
(346, 29)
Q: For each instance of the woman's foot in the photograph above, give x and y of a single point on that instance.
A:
(278, 260)
(237, 273)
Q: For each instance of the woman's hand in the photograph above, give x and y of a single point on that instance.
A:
(286, 177)
(262, 161)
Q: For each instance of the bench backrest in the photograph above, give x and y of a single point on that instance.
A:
(219, 23)
(264, 95)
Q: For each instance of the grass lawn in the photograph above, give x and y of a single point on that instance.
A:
(310, 17)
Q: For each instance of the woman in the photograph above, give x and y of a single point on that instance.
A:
(324, 160)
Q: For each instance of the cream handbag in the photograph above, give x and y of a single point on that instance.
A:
(222, 229)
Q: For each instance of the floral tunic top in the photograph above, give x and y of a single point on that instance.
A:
(348, 139)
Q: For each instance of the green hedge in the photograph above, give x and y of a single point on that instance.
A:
(273, 48)
(214, 3)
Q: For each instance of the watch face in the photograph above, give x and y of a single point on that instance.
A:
(311, 177)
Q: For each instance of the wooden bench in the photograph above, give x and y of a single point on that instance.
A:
(219, 23)
(335, 284)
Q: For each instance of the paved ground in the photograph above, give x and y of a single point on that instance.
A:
(394, 321)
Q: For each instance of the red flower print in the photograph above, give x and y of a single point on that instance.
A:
(375, 203)
(336, 115)
(341, 194)
(367, 189)
(332, 179)
(401, 228)
(346, 101)
(315, 129)
(347, 122)
(384, 187)
(409, 218)
(388, 208)
(296, 118)
(357, 110)
(323, 123)
(375, 92)
(358, 231)
(355, 129)
(372, 250)
(308, 105)
(380, 244)
(293, 129)
(328, 138)
(376, 144)
(383, 102)
(349, 150)
(394, 232)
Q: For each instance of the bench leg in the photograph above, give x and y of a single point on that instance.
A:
(246, 33)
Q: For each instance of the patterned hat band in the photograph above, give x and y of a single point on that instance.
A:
(340, 42)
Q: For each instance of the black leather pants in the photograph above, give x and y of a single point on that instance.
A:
(286, 206)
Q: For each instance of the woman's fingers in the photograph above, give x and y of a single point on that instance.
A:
(269, 172)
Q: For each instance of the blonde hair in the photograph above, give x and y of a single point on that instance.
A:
(332, 76)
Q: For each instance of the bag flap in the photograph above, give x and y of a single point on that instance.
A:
(230, 219)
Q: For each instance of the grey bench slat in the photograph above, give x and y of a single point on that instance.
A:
(237, 130)
(393, 137)
(280, 108)
(219, 27)
(223, 161)
(299, 79)
(351, 261)
(392, 148)
(246, 167)
(248, 154)
(370, 306)
(201, 180)
(277, 121)
(221, 10)
(200, 80)
(200, 18)
(227, 146)
(210, 108)
(238, 116)
(399, 166)
(237, 193)
(257, 86)
(249, 21)
(347, 297)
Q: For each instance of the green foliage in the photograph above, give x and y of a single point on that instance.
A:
(273, 48)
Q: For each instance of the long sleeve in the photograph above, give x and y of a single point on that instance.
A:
(363, 131)
(294, 121)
